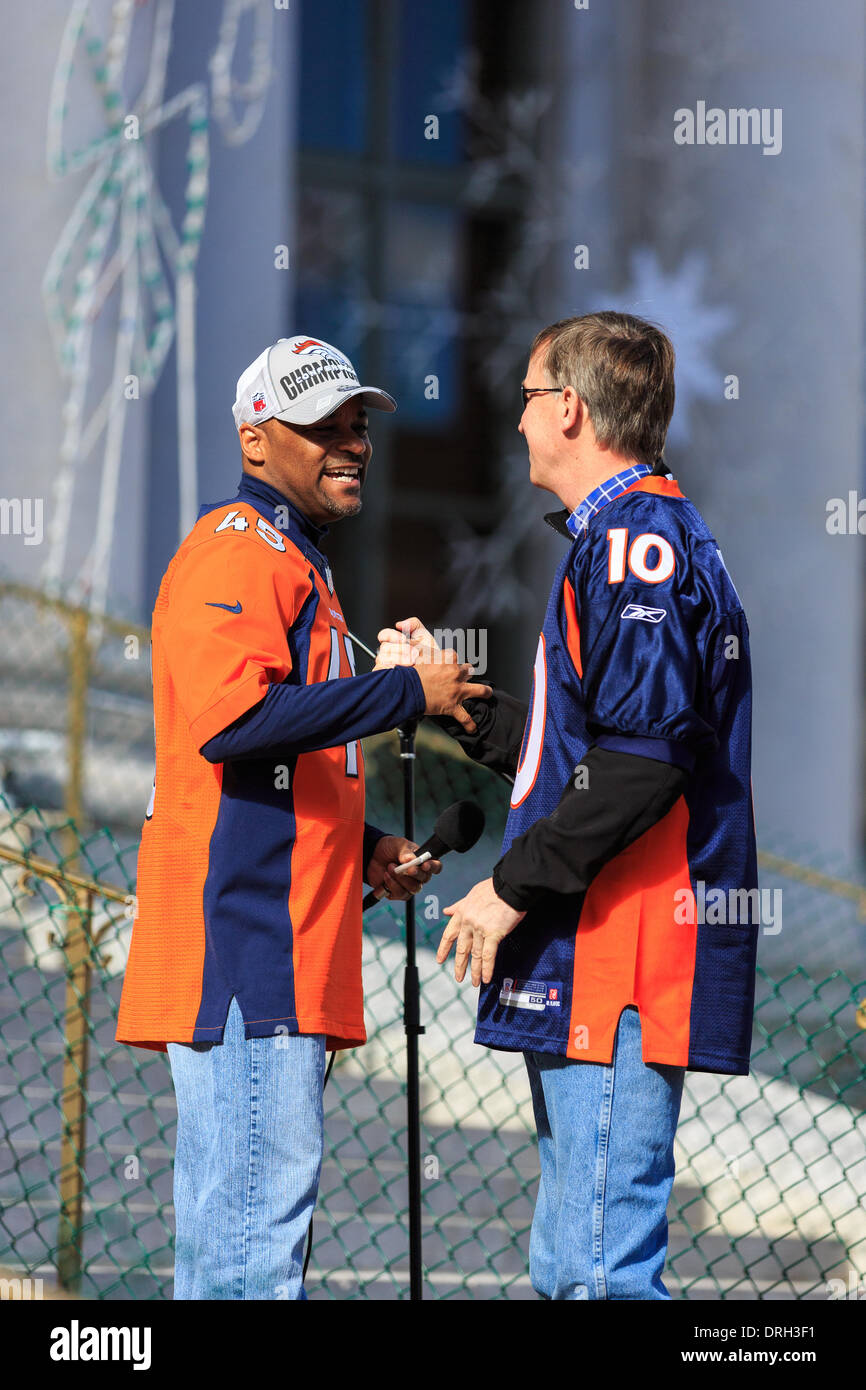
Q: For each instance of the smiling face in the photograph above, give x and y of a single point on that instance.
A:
(541, 424)
(320, 468)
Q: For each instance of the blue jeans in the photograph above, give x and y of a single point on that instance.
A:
(248, 1162)
(606, 1148)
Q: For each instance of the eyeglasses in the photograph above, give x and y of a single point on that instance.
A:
(527, 392)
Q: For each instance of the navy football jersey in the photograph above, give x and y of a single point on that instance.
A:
(644, 650)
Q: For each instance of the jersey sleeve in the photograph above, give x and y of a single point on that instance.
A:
(561, 853)
(224, 630)
(303, 718)
(499, 721)
(639, 643)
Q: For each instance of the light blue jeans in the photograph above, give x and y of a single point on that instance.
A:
(606, 1149)
(247, 1163)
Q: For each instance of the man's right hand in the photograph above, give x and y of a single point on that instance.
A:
(446, 687)
(442, 675)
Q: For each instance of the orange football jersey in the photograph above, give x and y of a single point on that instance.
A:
(249, 870)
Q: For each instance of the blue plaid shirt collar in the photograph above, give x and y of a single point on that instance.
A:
(605, 492)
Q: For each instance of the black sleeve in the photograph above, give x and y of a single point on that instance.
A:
(624, 794)
(500, 723)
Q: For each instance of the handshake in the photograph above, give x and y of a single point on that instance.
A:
(443, 677)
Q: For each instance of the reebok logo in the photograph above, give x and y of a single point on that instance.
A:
(643, 615)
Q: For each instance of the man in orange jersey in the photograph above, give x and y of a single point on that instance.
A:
(245, 962)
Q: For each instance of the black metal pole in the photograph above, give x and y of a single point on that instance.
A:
(412, 1027)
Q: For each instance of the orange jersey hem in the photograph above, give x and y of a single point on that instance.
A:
(338, 1035)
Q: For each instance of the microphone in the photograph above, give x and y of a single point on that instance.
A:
(457, 828)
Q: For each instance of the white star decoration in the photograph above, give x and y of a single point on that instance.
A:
(677, 303)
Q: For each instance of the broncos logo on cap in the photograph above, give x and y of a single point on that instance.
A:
(307, 343)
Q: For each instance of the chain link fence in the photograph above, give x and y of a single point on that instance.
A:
(771, 1168)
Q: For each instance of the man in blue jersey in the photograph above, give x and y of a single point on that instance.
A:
(631, 809)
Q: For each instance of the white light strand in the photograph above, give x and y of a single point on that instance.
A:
(121, 237)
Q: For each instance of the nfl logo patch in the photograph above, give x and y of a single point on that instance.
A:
(259, 401)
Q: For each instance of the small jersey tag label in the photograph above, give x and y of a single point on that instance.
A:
(537, 995)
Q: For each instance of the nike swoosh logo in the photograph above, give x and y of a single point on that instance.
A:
(229, 607)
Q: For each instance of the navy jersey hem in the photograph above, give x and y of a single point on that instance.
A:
(287, 1024)
(706, 1062)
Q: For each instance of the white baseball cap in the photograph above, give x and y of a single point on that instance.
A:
(301, 380)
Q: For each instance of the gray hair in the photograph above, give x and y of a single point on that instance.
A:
(623, 370)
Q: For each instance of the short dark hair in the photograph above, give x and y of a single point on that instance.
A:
(622, 368)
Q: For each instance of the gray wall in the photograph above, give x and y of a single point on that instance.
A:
(36, 208)
(759, 272)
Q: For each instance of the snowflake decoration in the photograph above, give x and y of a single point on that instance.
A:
(677, 303)
(482, 569)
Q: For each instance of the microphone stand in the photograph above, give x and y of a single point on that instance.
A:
(411, 1010)
(412, 1027)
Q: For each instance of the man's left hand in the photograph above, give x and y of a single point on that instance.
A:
(390, 851)
(478, 923)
